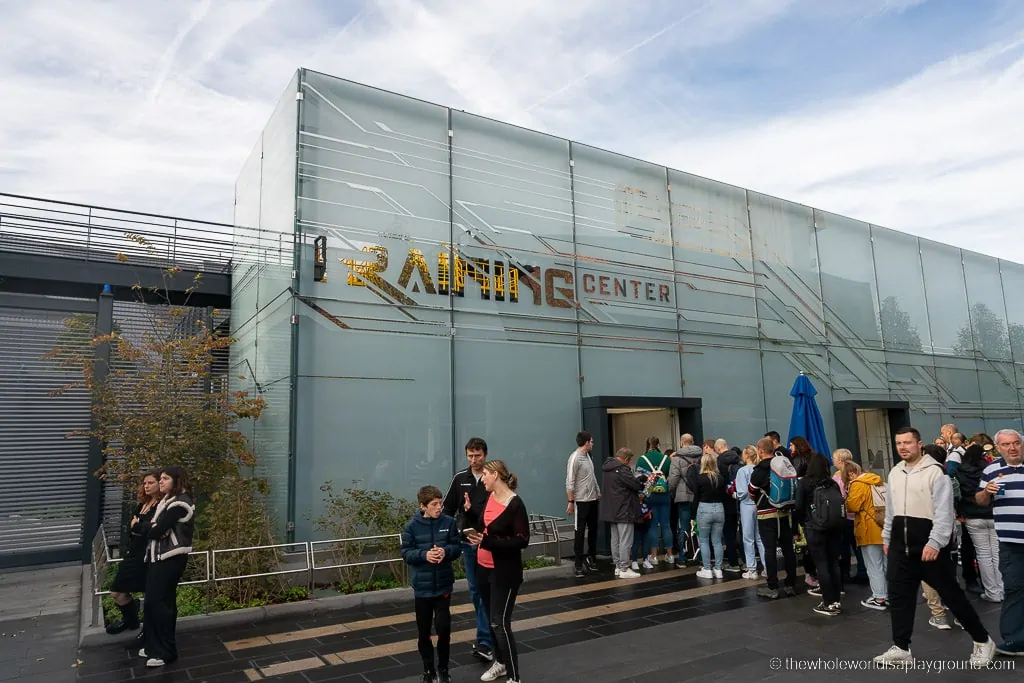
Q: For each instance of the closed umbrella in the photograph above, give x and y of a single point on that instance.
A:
(806, 420)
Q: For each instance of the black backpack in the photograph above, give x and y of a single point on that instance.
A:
(828, 509)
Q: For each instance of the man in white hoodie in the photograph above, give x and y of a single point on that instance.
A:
(919, 520)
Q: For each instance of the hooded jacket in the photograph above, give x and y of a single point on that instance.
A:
(684, 457)
(968, 473)
(918, 508)
(729, 463)
(170, 532)
(422, 533)
(860, 503)
(620, 503)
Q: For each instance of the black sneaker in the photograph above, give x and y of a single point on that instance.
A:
(833, 610)
(483, 653)
(429, 677)
(443, 676)
(579, 573)
(590, 564)
(733, 569)
(789, 591)
(766, 592)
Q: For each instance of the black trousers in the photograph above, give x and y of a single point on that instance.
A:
(778, 533)
(905, 575)
(826, 547)
(673, 523)
(160, 616)
(732, 523)
(434, 612)
(500, 599)
(585, 522)
(968, 556)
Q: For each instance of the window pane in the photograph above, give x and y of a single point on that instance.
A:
(1013, 286)
(848, 281)
(903, 308)
(947, 299)
(780, 371)
(726, 375)
(713, 261)
(987, 312)
(786, 268)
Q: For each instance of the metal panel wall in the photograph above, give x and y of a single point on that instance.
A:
(42, 472)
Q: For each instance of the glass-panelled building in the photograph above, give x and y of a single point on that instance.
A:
(439, 275)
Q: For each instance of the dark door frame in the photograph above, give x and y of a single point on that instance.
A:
(597, 422)
(847, 431)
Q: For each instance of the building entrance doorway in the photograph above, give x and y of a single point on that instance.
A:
(631, 427)
(867, 429)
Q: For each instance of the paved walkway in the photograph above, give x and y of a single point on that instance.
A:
(667, 626)
(39, 625)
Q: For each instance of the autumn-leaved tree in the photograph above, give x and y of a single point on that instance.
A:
(156, 405)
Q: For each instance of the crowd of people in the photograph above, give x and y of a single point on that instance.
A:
(906, 535)
(699, 504)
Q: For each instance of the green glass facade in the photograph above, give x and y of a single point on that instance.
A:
(484, 280)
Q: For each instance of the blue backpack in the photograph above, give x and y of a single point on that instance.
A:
(782, 490)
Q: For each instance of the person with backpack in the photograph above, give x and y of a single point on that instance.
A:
(773, 488)
(681, 480)
(866, 500)
(821, 510)
(730, 460)
(656, 465)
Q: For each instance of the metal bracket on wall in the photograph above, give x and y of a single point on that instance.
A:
(300, 95)
(295, 320)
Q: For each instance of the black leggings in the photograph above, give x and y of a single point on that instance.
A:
(160, 614)
(434, 612)
(499, 600)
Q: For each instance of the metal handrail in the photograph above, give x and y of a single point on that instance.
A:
(306, 548)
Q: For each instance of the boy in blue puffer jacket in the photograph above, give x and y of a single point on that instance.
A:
(430, 543)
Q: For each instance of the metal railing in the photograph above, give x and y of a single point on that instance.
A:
(547, 525)
(30, 225)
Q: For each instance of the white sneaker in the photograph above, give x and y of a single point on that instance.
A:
(635, 567)
(154, 662)
(718, 574)
(705, 574)
(142, 653)
(648, 564)
(983, 653)
(669, 559)
(616, 572)
(750, 574)
(894, 656)
(494, 672)
(653, 559)
(628, 574)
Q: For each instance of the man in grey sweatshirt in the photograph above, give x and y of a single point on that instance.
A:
(583, 493)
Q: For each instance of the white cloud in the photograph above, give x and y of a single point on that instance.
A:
(156, 106)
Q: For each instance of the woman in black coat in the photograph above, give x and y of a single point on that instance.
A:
(823, 544)
(505, 534)
(131, 570)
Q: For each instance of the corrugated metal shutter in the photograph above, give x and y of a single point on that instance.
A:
(42, 474)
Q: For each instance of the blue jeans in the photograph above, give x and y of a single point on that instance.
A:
(661, 525)
(1011, 617)
(639, 550)
(876, 566)
(710, 524)
(483, 624)
(751, 535)
(685, 517)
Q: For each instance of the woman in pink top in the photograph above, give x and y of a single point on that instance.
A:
(500, 558)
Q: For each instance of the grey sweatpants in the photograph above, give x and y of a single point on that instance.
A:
(622, 544)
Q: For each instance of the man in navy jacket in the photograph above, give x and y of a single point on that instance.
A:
(430, 543)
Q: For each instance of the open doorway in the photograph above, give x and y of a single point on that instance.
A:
(631, 427)
(867, 429)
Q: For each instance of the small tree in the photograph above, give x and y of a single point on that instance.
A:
(156, 406)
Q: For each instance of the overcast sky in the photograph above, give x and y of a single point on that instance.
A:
(904, 113)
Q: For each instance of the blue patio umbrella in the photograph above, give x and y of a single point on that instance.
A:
(806, 420)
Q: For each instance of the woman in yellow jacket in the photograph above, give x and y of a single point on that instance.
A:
(867, 532)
